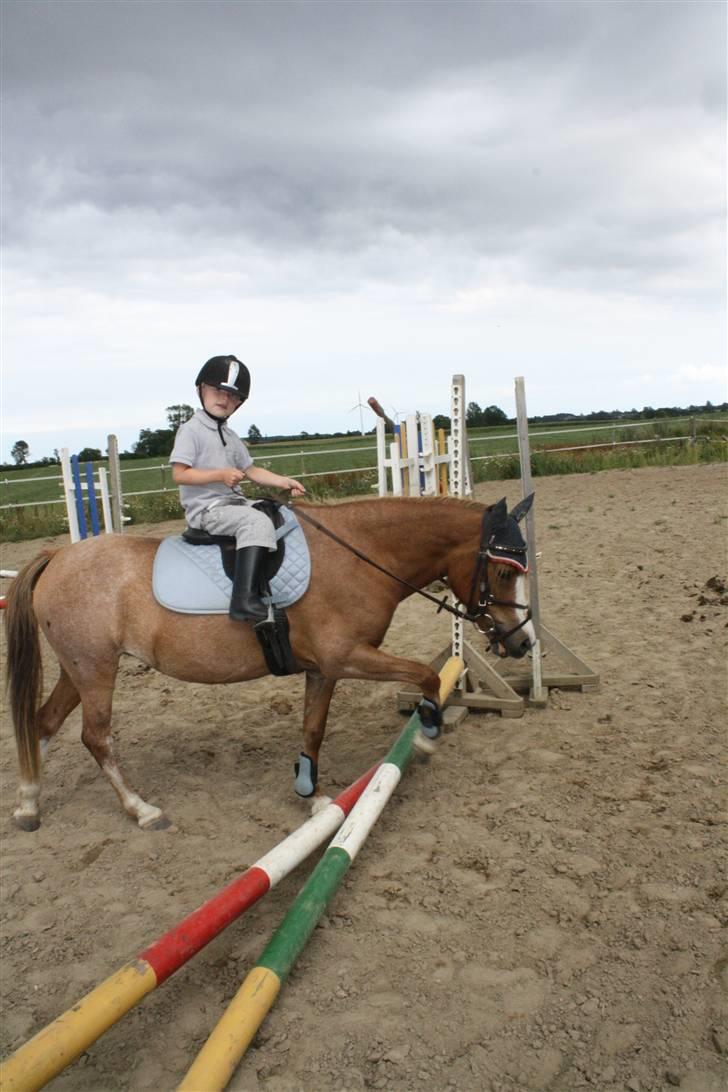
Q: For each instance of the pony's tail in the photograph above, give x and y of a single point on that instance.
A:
(24, 664)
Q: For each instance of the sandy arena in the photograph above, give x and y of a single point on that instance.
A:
(541, 906)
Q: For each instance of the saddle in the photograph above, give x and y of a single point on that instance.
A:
(193, 574)
(197, 537)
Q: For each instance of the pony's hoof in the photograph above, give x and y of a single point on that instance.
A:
(151, 818)
(27, 822)
(423, 745)
(160, 823)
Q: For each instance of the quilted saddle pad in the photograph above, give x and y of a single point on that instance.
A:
(191, 579)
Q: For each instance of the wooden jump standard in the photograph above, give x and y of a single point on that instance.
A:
(218, 1059)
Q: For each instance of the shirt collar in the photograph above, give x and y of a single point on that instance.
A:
(208, 422)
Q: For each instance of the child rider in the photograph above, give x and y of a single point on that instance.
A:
(208, 462)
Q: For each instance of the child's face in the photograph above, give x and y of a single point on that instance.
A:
(219, 403)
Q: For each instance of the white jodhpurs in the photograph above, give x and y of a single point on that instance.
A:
(249, 526)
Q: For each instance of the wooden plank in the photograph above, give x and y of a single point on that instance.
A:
(567, 654)
(480, 670)
(408, 699)
(520, 683)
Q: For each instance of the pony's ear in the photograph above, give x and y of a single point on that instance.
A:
(499, 511)
(522, 508)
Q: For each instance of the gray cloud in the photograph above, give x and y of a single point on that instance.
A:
(343, 181)
(491, 128)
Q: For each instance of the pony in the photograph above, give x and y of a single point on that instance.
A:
(93, 601)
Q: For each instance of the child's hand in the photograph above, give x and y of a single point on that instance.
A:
(297, 490)
(231, 476)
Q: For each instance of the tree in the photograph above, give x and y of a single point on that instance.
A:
(441, 421)
(254, 434)
(177, 415)
(154, 442)
(89, 455)
(492, 415)
(20, 452)
(473, 415)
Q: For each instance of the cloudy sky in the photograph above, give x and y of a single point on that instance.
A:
(358, 196)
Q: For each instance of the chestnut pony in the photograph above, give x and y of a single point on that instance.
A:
(93, 601)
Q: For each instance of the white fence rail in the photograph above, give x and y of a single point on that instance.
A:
(535, 435)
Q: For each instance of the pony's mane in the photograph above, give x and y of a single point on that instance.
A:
(337, 502)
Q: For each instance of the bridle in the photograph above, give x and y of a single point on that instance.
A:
(490, 549)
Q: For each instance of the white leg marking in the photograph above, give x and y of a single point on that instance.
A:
(145, 814)
(28, 794)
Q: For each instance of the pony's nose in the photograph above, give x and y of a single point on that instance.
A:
(519, 648)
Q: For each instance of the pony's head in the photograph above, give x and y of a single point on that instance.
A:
(494, 587)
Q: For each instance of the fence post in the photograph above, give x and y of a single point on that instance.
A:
(537, 693)
(93, 511)
(78, 497)
(460, 485)
(117, 497)
(429, 468)
(381, 457)
(105, 505)
(69, 494)
(460, 479)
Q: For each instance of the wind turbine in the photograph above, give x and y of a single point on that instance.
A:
(360, 406)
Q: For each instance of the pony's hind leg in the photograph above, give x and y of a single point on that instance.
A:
(63, 700)
(96, 733)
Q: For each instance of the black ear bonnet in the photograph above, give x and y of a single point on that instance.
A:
(502, 536)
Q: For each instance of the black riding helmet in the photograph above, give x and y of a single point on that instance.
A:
(227, 373)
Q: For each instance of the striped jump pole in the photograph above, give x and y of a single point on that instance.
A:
(61, 1042)
(218, 1059)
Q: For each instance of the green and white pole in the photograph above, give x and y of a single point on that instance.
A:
(219, 1057)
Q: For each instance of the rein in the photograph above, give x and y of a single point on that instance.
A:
(479, 582)
(442, 604)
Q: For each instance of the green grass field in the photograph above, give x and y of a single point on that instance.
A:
(321, 462)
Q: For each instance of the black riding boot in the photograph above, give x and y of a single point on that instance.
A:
(246, 604)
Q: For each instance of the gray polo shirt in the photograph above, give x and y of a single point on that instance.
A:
(198, 444)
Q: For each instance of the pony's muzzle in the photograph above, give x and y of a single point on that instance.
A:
(518, 646)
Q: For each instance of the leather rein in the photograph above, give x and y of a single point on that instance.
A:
(479, 587)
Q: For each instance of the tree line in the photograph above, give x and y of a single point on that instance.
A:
(158, 442)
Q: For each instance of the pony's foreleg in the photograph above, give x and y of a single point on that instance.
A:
(367, 662)
(63, 700)
(96, 736)
(315, 712)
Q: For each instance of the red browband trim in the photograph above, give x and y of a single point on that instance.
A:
(507, 561)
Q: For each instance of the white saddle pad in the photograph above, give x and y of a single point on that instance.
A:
(191, 579)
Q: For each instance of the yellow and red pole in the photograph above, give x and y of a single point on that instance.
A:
(61, 1042)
